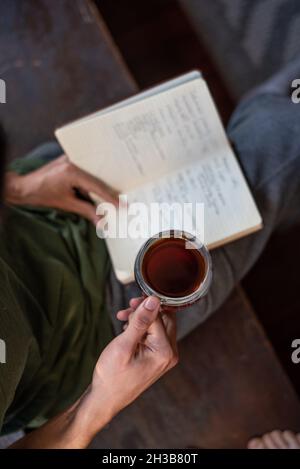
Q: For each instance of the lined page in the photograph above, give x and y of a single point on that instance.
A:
(229, 209)
(147, 139)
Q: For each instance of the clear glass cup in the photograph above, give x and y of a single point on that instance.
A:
(168, 300)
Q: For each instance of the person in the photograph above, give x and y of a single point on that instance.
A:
(128, 365)
(265, 131)
(53, 318)
(57, 289)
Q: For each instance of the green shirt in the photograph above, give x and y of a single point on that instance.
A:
(53, 270)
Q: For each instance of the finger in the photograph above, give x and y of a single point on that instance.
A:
(256, 443)
(141, 320)
(268, 441)
(169, 321)
(124, 314)
(135, 302)
(157, 333)
(158, 341)
(164, 325)
(290, 440)
(89, 183)
(56, 161)
(162, 334)
(157, 338)
(277, 438)
(84, 209)
(63, 158)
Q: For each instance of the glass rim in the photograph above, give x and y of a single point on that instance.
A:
(169, 300)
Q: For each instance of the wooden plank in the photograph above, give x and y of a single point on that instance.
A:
(228, 387)
(158, 42)
(59, 63)
(276, 298)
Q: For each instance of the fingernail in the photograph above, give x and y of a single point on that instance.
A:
(151, 303)
(253, 443)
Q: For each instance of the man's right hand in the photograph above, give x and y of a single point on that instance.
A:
(132, 361)
(127, 366)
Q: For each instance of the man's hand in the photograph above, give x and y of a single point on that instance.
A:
(53, 185)
(135, 359)
(127, 366)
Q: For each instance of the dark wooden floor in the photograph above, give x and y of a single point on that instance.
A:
(157, 43)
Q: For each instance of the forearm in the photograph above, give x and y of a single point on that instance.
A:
(73, 429)
(14, 188)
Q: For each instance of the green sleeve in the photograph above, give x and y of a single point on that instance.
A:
(16, 338)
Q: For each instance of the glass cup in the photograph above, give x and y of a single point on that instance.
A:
(175, 267)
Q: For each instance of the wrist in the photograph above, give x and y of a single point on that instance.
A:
(14, 188)
(90, 414)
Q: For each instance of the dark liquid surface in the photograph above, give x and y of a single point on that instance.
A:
(172, 270)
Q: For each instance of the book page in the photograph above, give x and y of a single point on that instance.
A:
(165, 86)
(131, 146)
(217, 183)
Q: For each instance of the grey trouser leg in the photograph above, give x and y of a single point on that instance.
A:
(265, 130)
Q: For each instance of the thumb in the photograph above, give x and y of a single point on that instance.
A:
(142, 319)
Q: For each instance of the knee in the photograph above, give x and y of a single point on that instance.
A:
(265, 134)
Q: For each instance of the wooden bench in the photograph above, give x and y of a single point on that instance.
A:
(60, 63)
(227, 387)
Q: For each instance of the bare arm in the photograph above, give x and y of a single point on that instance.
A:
(53, 186)
(127, 366)
(73, 429)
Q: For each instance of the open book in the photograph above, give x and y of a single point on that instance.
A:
(166, 144)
